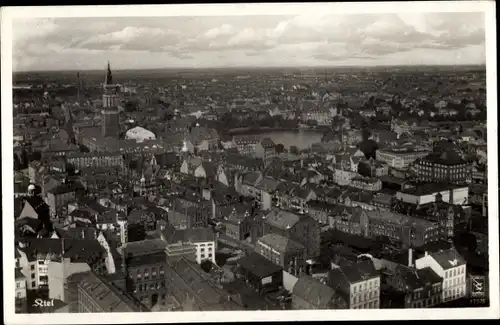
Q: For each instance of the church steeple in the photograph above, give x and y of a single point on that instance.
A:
(109, 76)
(110, 122)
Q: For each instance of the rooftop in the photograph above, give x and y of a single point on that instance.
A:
(281, 243)
(259, 265)
(282, 219)
(107, 296)
(448, 259)
(314, 292)
(429, 188)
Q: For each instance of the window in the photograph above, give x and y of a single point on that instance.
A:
(18, 285)
(32, 267)
(32, 275)
(33, 284)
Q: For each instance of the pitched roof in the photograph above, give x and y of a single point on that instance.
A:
(314, 292)
(281, 243)
(108, 297)
(360, 271)
(200, 283)
(258, 265)
(267, 143)
(144, 247)
(267, 184)
(427, 275)
(41, 208)
(448, 259)
(282, 219)
(192, 235)
(251, 178)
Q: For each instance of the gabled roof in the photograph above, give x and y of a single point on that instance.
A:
(144, 247)
(267, 184)
(313, 291)
(280, 243)
(448, 259)
(267, 143)
(258, 265)
(193, 235)
(282, 219)
(250, 178)
(108, 297)
(360, 271)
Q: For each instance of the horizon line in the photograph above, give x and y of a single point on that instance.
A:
(261, 67)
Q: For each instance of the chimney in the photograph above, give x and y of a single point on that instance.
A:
(426, 253)
(410, 257)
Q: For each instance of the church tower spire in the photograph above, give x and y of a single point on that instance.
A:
(109, 115)
(109, 76)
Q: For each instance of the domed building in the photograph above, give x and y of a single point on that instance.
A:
(139, 134)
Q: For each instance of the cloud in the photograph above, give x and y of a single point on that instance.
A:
(132, 39)
(314, 37)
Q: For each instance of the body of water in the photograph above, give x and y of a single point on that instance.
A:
(303, 139)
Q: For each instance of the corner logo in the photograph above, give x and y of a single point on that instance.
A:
(478, 284)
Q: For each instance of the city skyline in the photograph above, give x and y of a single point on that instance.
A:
(314, 39)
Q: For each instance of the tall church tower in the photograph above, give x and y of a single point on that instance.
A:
(110, 123)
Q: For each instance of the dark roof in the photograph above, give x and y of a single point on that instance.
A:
(259, 265)
(267, 143)
(448, 259)
(360, 271)
(282, 219)
(108, 297)
(144, 247)
(427, 275)
(448, 157)
(66, 188)
(82, 250)
(18, 206)
(41, 208)
(192, 235)
(314, 292)
(19, 274)
(429, 188)
(200, 283)
(281, 243)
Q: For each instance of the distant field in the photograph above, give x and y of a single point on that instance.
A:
(319, 72)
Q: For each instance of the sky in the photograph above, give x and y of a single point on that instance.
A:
(310, 39)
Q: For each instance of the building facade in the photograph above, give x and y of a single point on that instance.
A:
(452, 268)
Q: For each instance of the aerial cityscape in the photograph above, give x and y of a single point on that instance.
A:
(316, 163)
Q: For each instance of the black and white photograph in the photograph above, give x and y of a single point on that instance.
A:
(262, 162)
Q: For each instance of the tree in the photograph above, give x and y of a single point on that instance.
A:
(279, 148)
(294, 150)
